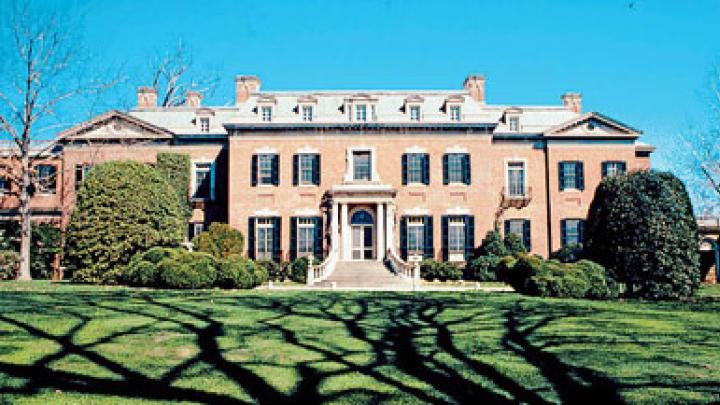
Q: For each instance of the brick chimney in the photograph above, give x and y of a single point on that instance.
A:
(475, 84)
(572, 101)
(146, 97)
(193, 98)
(244, 86)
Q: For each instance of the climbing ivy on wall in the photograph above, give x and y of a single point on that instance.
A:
(175, 168)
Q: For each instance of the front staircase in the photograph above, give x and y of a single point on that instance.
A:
(365, 275)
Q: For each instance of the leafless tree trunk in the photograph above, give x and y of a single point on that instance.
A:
(698, 163)
(40, 54)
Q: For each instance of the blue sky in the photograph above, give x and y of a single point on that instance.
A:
(643, 62)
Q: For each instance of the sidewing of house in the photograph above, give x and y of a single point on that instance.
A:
(115, 126)
(592, 124)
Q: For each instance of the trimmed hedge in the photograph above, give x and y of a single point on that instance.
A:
(176, 169)
(298, 269)
(9, 264)
(482, 268)
(275, 271)
(179, 269)
(434, 270)
(531, 275)
(220, 240)
(124, 207)
(642, 229)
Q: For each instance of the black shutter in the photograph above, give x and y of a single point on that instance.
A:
(293, 237)
(296, 169)
(254, 170)
(526, 234)
(469, 236)
(507, 228)
(623, 167)
(318, 238)
(428, 243)
(316, 170)
(604, 167)
(403, 238)
(581, 231)
(426, 169)
(404, 166)
(446, 179)
(563, 232)
(444, 220)
(251, 237)
(580, 173)
(276, 170)
(561, 175)
(466, 169)
(277, 242)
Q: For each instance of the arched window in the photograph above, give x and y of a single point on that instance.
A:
(361, 217)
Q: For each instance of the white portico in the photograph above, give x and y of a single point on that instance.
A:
(362, 220)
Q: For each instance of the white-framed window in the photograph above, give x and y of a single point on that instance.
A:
(305, 236)
(415, 168)
(572, 232)
(613, 168)
(81, 172)
(415, 113)
(361, 112)
(266, 112)
(416, 236)
(455, 113)
(516, 179)
(307, 113)
(265, 169)
(46, 178)
(455, 168)
(362, 165)
(4, 185)
(569, 175)
(204, 124)
(203, 180)
(306, 168)
(456, 235)
(514, 123)
(265, 233)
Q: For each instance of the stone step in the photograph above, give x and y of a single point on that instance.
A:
(365, 274)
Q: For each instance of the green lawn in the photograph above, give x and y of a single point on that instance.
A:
(83, 344)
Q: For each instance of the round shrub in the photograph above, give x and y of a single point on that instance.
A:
(492, 245)
(433, 270)
(483, 268)
(189, 271)
(124, 207)
(600, 286)
(518, 272)
(220, 240)
(9, 264)
(569, 253)
(513, 245)
(275, 271)
(298, 269)
(642, 229)
(237, 272)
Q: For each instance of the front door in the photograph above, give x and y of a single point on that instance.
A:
(363, 243)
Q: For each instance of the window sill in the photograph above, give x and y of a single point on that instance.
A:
(308, 185)
(457, 184)
(571, 191)
(266, 186)
(417, 185)
(201, 199)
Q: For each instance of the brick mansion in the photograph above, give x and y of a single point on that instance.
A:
(360, 175)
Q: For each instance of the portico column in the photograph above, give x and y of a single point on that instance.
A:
(334, 231)
(380, 232)
(345, 232)
(390, 225)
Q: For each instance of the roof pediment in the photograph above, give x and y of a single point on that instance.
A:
(115, 125)
(592, 124)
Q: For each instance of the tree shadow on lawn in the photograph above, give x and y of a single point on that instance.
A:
(415, 348)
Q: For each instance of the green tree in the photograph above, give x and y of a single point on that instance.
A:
(492, 245)
(220, 240)
(642, 229)
(123, 207)
(514, 244)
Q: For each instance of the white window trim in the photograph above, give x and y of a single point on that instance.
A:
(513, 117)
(259, 183)
(460, 183)
(200, 120)
(415, 221)
(450, 107)
(262, 106)
(507, 177)
(301, 225)
(193, 178)
(457, 255)
(416, 212)
(350, 167)
(301, 111)
(409, 107)
(411, 182)
(299, 174)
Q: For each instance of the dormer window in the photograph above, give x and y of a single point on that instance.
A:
(514, 123)
(204, 124)
(361, 112)
(455, 113)
(266, 113)
(415, 113)
(307, 113)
